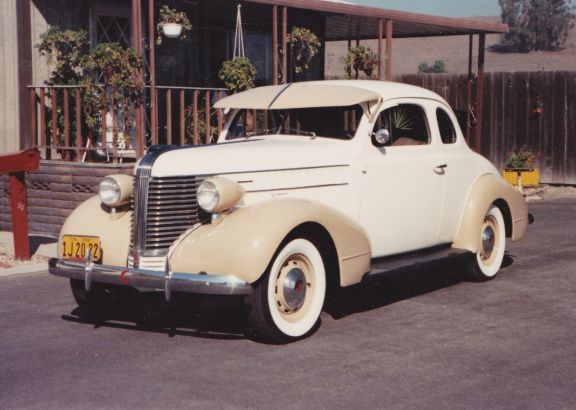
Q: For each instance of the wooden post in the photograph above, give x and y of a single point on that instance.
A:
(152, 64)
(469, 88)
(380, 34)
(275, 45)
(16, 165)
(285, 44)
(389, 33)
(24, 63)
(480, 92)
(137, 44)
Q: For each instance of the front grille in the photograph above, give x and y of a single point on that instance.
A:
(168, 210)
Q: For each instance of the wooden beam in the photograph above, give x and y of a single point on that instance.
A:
(152, 65)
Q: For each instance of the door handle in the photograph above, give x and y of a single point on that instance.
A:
(441, 168)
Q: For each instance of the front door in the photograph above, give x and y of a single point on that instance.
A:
(402, 193)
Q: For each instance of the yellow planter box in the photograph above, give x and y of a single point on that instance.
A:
(528, 178)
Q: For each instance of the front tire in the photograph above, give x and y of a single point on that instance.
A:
(490, 255)
(286, 304)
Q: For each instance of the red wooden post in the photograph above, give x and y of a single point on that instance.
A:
(16, 165)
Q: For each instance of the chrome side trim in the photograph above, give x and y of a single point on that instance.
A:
(166, 280)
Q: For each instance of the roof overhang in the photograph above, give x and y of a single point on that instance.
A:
(345, 18)
(298, 95)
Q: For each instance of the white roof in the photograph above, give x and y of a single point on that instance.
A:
(334, 93)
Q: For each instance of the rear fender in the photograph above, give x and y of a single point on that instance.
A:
(487, 190)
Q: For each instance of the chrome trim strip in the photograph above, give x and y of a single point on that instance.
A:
(162, 280)
(258, 171)
(298, 187)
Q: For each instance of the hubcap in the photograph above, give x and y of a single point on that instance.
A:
(488, 241)
(294, 288)
(292, 284)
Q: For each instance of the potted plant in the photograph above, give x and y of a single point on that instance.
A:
(172, 24)
(238, 74)
(519, 168)
(360, 58)
(304, 45)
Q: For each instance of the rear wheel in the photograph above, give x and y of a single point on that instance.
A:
(490, 255)
(286, 304)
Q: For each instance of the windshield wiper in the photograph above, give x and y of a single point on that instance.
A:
(300, 132)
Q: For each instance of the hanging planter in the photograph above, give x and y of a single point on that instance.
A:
(304, 45)
(172, 24)
(172, 30)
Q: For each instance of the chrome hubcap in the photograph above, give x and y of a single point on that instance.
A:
(294, 288)
(488, 241)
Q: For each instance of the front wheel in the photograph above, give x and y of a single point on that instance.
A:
(286, 304)
(490, 255)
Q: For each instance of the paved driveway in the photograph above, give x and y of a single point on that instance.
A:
(422, 340)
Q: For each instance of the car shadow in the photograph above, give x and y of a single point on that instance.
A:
(215, 317)
(399, 285)
(225, 317)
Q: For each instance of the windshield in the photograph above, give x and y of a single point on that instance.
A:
(328, 122)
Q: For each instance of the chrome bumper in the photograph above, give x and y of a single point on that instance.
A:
(149, 279)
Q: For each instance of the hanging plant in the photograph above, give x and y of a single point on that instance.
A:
(304, 45)
(172, 24)
(238, 74)
(360, 58)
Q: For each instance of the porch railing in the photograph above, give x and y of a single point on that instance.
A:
(183, 115)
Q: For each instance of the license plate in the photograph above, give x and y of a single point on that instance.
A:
(77, 247)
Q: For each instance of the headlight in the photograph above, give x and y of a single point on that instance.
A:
(208, 196)
(116, 190)
(218, 194)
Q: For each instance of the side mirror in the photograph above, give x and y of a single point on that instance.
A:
(381, 137)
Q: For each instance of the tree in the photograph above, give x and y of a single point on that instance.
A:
(535, 24)
(438, 67)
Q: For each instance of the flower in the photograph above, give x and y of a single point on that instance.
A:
(522, 159)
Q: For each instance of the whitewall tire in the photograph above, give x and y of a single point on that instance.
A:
(490, 255)
(286, 304)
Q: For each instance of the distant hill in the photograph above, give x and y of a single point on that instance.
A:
(407, 54)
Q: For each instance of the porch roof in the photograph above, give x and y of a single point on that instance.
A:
(344, 19)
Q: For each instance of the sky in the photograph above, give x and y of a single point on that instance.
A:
(448, 8)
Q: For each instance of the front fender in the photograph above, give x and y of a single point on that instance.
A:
(487, 190)
(91, 218)
(244, 242)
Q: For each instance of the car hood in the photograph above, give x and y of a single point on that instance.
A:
(254, 155)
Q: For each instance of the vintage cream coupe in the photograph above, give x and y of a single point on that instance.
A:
(312, 186)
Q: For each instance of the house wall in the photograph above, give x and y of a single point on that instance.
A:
(9, 126)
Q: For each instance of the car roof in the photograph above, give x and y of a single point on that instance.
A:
(331, 93)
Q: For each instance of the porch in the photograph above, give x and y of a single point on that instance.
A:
(179, 77)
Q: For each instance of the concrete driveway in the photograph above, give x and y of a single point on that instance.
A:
(423, 339)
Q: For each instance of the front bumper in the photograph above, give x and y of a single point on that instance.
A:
(149, 279)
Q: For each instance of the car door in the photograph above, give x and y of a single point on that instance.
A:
(402, 190)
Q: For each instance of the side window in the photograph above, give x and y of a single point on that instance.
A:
(406, 124)
(446, 127)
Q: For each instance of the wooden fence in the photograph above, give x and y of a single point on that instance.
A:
(533, 109)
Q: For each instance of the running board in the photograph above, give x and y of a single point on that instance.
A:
(383, 266)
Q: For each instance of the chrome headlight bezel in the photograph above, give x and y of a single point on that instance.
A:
(208, 196)
(116, 190)
(218, 194)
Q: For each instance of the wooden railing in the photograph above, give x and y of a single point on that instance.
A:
(181, 115)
